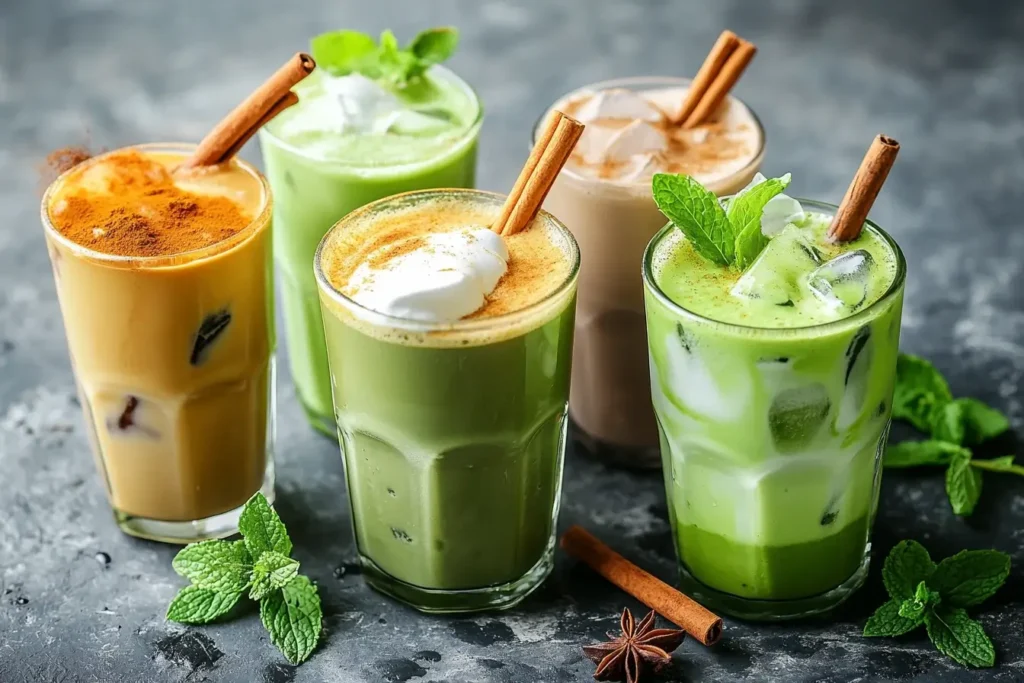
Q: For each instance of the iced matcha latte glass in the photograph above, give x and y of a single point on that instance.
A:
(165, 285)
(773, 392)
(450, 395)
(348, 142)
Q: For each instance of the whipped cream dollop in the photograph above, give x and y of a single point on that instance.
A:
(780, 211)
(435, 277)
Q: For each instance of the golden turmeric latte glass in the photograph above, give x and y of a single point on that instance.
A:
(165, 285)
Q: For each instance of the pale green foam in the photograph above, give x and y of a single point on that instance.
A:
(776, 290)
(437, 114)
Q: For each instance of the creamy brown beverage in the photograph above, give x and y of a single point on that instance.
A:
(603, 196)
(164, 283)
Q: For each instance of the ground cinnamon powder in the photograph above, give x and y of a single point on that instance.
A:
(138, 210)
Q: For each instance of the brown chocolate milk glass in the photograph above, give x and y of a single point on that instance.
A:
(603, 195)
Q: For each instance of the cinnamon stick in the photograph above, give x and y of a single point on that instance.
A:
(713, 63)
(860, 196)
(266, 102)
(549, 154)
(723, 82)
(694, 618)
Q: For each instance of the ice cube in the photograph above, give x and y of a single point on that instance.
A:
(641, 167)
(859, 355)
(780, 211)
(593, 143)
(843, 281)
(413, 123)
(618, 103)
(637, 138)
(797, 415)
(363, 105)
(775, 274)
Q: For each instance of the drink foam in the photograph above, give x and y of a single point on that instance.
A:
(540, 264)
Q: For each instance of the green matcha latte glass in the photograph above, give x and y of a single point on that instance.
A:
(347, 143)
(773, 428)
(453, 434)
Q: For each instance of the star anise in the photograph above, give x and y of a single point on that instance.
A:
(640, 647)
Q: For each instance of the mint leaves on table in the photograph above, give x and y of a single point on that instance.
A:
(922, 397)
(222, 571)
(923, 593)
(344, 52)
(726, 238)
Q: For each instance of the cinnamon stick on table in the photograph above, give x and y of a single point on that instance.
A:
(721, 70)
(860, 196)
(553, 148)
(266, 102)
(694, 618)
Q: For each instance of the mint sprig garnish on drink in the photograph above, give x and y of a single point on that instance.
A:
(222, 571)
(935, 596)
(732, 236)
(922, 398)
(344, 52)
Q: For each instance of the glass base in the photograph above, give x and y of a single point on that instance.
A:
(629, 457)
(773, 610)
(324, 424)
(440, 601)
(218, 526)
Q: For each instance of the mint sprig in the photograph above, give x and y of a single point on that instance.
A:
(344, 52)
(923, 593)
(726, 239)
(220, 572)
(922, 397)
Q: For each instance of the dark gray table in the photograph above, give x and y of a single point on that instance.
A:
(945, 78)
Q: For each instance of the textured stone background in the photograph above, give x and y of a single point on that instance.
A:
(943, 77)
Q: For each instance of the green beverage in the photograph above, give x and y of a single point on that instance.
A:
(773, 390)
(351, 140)
(450, 351)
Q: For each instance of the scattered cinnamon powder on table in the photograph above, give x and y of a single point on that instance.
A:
(141, 211)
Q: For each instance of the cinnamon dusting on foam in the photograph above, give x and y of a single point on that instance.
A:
(710, 151)
(537, 265)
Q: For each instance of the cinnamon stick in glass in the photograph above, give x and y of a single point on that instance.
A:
(554, 147)
(723, 82)
(704, 625)
(725, 45)
(860, 196)
(266, 102)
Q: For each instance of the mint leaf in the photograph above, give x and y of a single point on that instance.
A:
(697, 213)
(950, 423)
(220, 566)
(914, 608)
(921, 392)
(970, 577)
(272, 570)
(914, 453)
(342, 52)
(963, 484)
(435, 45)
(262, 529)
(981, 422)
(292, 617)
(960, 637)
(887, 621)
(194, 605)
(906, 566)
(1001, 464)
(745, 211)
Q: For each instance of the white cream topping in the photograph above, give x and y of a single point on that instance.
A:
(446, 277)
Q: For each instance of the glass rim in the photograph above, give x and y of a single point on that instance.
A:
(755, 160)
(471, 131)
(895, 287)
(462, 325)
(261, 218)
